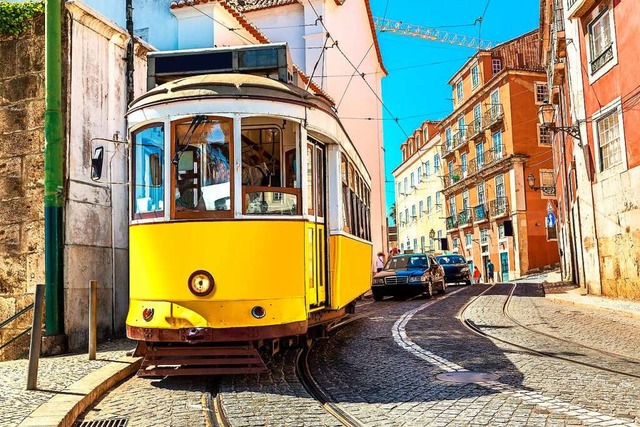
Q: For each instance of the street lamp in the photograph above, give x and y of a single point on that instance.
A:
(432, 234)
(547, 115)
(547, 190)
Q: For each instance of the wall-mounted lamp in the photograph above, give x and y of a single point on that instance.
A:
(547, 190)
(432, 234)
(547, 115)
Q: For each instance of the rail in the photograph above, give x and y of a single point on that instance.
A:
(11, 319)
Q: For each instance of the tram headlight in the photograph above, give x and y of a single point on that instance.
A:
(201, 283)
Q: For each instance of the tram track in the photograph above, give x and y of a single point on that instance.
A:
(591, 356)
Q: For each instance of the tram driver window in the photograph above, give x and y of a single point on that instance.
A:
(201, 160)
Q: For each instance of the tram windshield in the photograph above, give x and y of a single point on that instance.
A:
(202, 157)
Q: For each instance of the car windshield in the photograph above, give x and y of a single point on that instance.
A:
(404, 262)
(451, 259)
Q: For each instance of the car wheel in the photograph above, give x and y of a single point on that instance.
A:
(467, 282)
(378, 297)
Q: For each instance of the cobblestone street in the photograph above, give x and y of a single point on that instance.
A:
(383, 369)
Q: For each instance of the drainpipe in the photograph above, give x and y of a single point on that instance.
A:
(53, 167)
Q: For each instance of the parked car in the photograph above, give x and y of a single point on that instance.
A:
(456, 269)
(406, 275)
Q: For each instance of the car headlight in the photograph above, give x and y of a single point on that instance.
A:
(201, 283)
(415, 279)
(378, 281)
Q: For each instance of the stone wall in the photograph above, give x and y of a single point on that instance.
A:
(21, 178)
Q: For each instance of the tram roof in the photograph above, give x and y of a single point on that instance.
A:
(229, 85)
(236, 85)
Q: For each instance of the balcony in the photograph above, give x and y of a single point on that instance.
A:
(446, 148)
(459, 138)
(452, 177)
(485, 160)
(474, 129)
(602, 59)
(465, 217)
(452, 222)
(493, 115)
(577, 8)
(499, 207)
(480, 213)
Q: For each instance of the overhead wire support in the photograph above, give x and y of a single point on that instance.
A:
(385, 25)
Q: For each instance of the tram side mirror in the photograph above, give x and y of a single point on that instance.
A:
(155, 170)
(97, 163)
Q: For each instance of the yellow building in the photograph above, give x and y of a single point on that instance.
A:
(418, 185)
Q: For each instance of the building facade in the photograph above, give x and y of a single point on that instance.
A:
(590, 51)
(491, 148)
(419, 199)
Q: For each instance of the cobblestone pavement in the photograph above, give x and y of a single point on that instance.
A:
(172, 401)
(381, 385)
(16, 403)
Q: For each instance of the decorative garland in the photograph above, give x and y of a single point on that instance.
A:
(16, 17)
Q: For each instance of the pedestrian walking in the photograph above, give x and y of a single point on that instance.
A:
(380, 262)
(476, 275)
(490, 271)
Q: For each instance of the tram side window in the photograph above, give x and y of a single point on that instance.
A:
(202, 157)
(346, 204)
(148, 172)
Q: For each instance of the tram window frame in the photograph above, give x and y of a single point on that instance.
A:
(281, 170)
(134, 169)
(229, 139)
(347, 225)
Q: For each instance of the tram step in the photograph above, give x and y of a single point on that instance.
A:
(160, 361)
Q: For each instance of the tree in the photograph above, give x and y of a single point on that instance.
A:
(392, 213)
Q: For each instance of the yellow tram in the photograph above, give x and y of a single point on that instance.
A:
(249, 220)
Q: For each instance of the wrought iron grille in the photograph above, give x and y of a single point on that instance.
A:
(498, 207)
(493, 114)
(452, 222)
(465, 217)
(474, 128)
(480, 212)
(602, 59)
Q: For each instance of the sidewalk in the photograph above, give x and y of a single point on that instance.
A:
(67, 385)
(561, 293)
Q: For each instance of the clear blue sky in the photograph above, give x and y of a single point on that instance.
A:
(415, 91)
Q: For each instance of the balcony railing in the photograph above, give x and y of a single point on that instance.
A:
(446, 148)
(459, 138)
(602, 59)
(498, 207)
(481, 162)
(493, 114)
(480, 212)
(452, 222)
(465, 217)
(474, 128)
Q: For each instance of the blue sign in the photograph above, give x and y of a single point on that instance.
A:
(551, 220)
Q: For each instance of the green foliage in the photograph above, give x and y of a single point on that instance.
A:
(16, 17)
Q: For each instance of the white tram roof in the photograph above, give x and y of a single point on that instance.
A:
(249, 87)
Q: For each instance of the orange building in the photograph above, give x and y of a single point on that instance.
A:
(491, 146)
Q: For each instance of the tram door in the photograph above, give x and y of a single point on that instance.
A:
(316, 241)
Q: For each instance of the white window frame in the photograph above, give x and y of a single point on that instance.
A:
(494, 62)
(537, 92)
(425, 135)
(475, 76)
(428, 205)
(468, 240)
(448, 137)
(438, 200)
(405, 185)
(436, 163)
(427, 169)
(611, 63)
(614, 107)
(412, 180)
(418, 140)
(419, 174)
(459, 90)
(421, 208)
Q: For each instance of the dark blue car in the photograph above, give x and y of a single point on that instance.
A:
(407, 275)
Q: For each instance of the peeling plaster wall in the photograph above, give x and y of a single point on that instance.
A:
(618, 227)
(21, 178)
